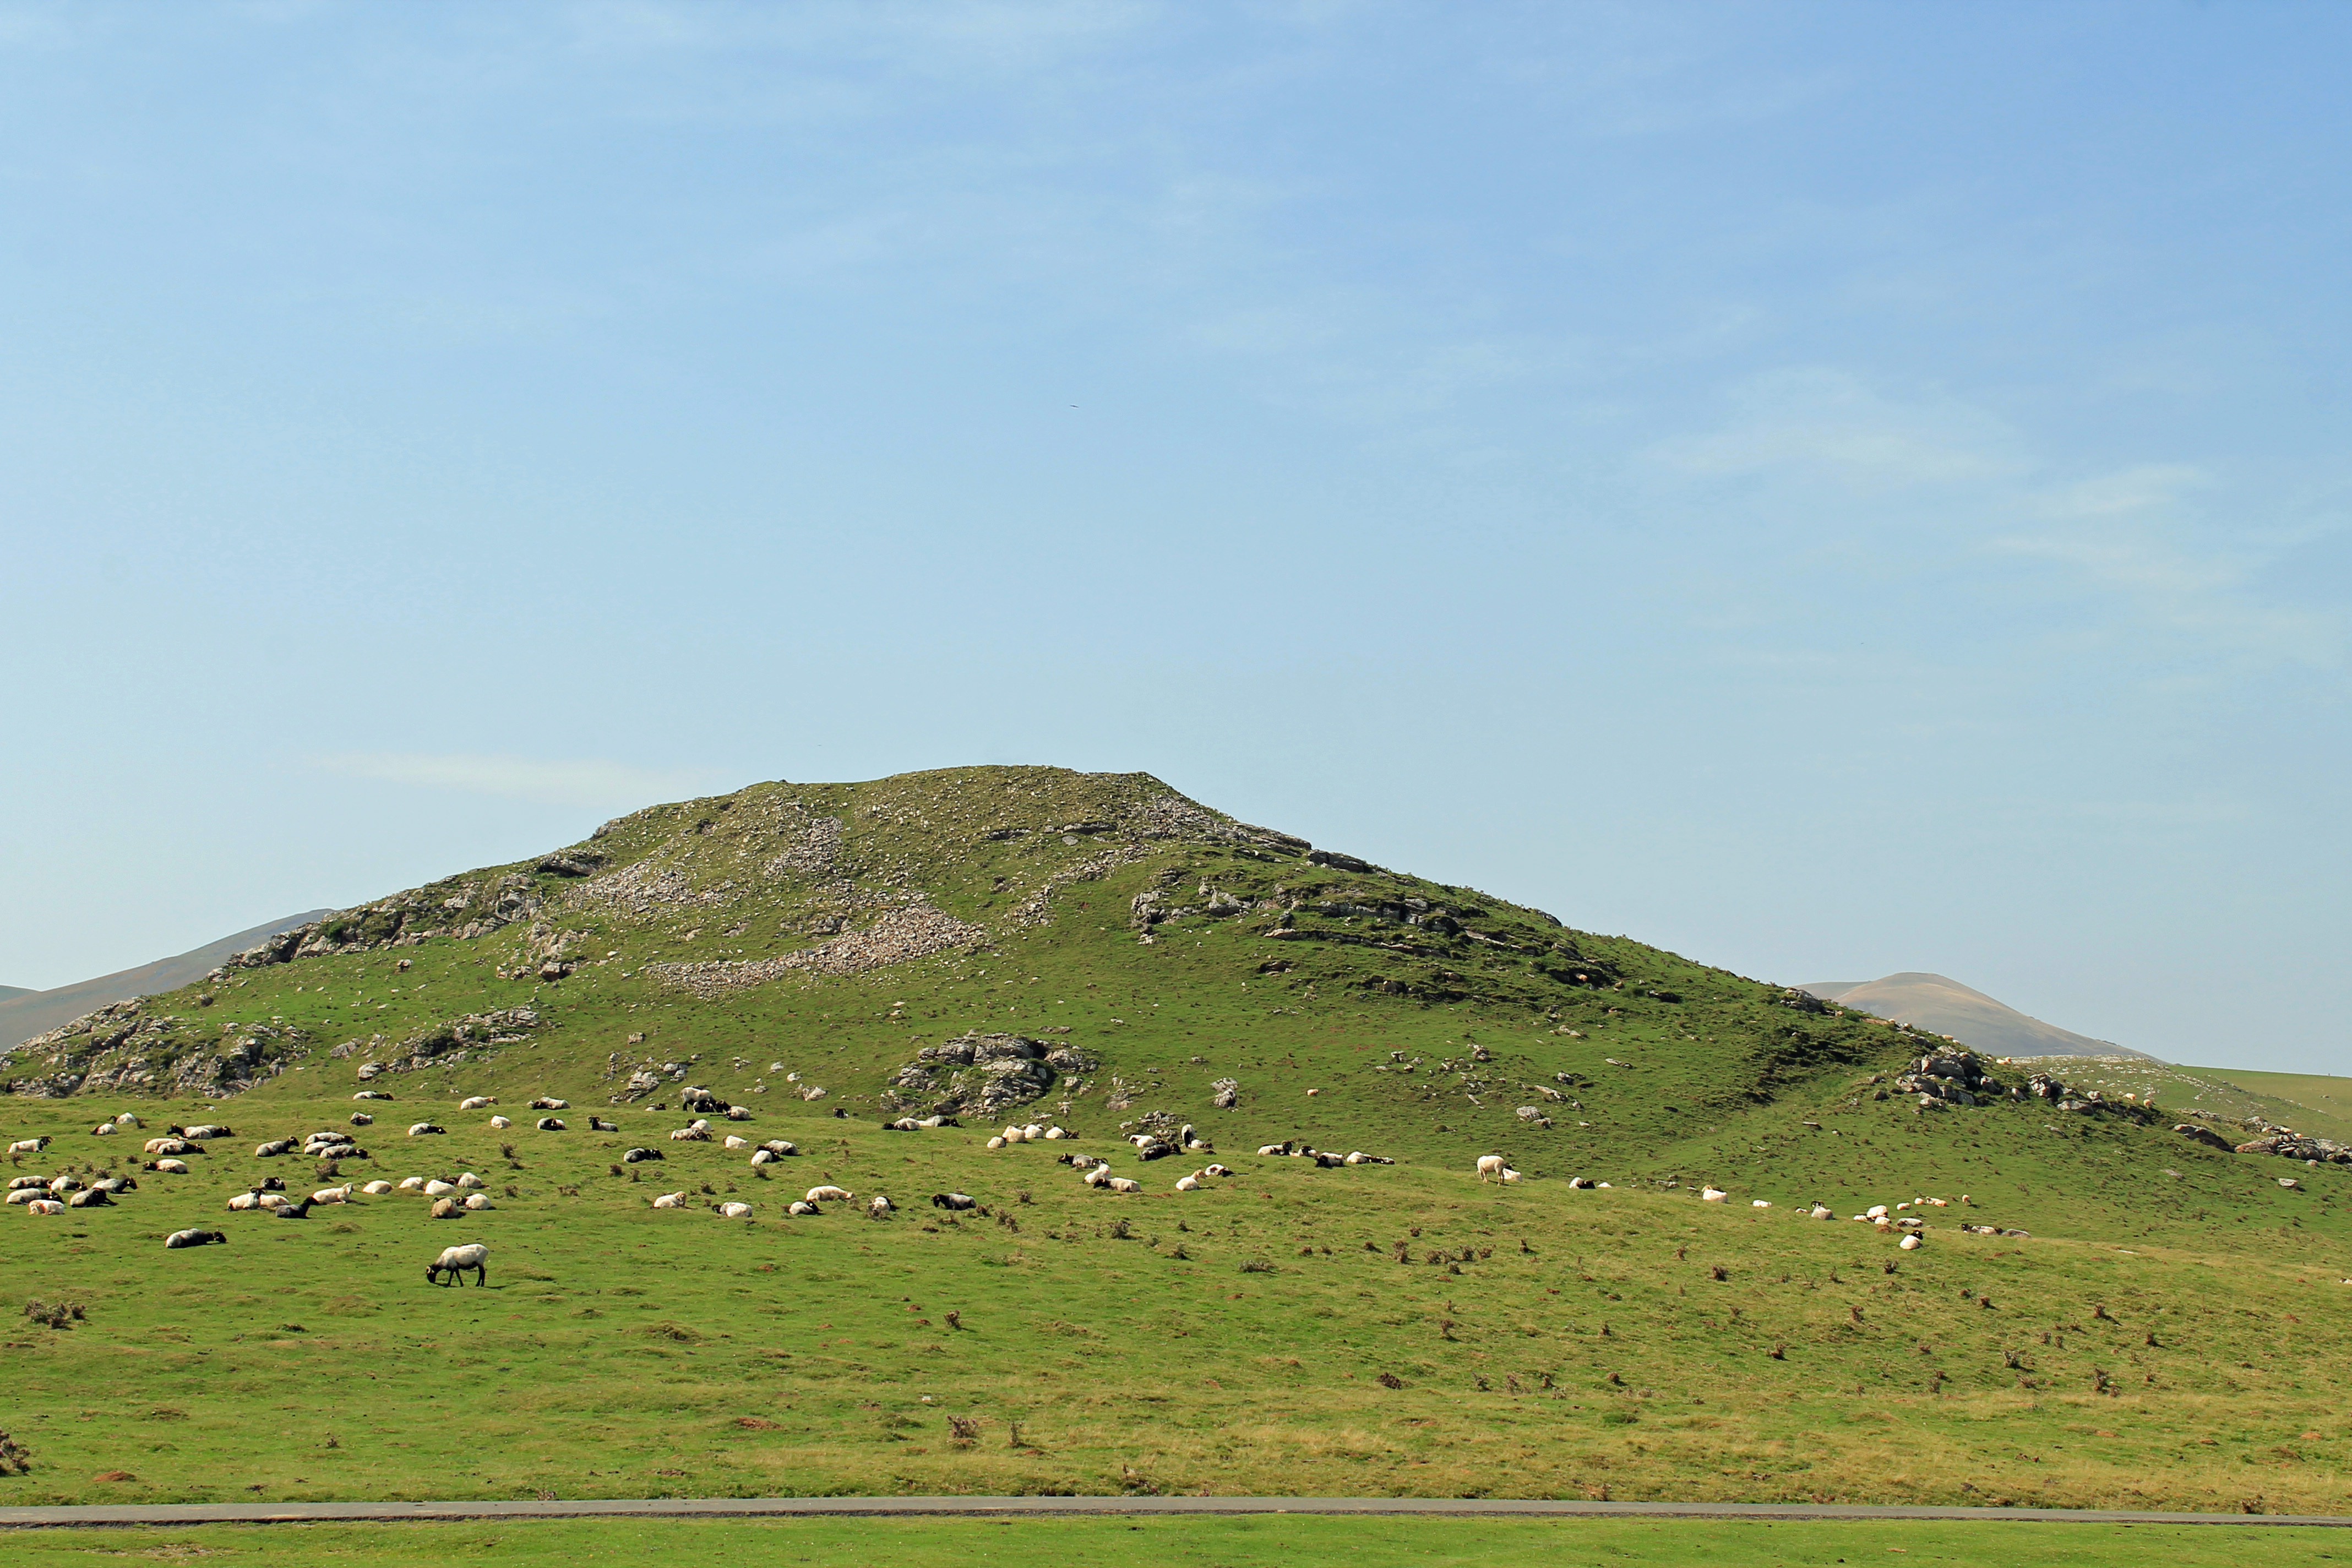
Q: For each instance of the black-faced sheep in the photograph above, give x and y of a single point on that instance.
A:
(550, 1124)
(33, 1146)
(275, 1147)
(636, 1155)
(955, 1201)
(197, 1238)
(425, 1129)
(454, 1260)
(549, 1102)
(598, 1124)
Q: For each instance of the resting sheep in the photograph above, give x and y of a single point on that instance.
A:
(275, 1147)
(801, 1210)
(203, 1130)
(501, 1123)
(476, 1101)
(341, 1194)
(96, 1198)
(636, 1155)
(550, 1124)
(167, 1146)
(878, 1205)
(377, 1189)
(35, 1145)
(596, 1124)
(169, 1167)
(197, 1238)
(438, 1188)
(735, 1142)
(468, 1179)
(478, 1201)
(1124, 1185)
(955, 1201)
(245, 1200)
(1713, 1195)
(546, 1102)
(732, 1211)
(447, 1208)
(45, 1205)
(362, 1118)
(1214, 1170)
(425, 1128)
(670, 1200)
(830, 1194)
(1188, 1184)
(299, 1209)
(454, 1260)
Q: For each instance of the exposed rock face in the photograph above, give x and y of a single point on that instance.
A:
(2205, 1135)
(463, 910)
(2295, 1146)
(916, 930)
(122, 1048)
(982, 1075)
(448, 1044)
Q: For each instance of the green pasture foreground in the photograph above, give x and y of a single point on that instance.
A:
(1210, 1543)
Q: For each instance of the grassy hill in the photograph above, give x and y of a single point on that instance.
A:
(25, 1014)
(2162, 1338)
(1942, 1005)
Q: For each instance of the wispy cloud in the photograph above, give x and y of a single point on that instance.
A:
(1829, 424)
(589, 782)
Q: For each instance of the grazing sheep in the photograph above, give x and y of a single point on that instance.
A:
(1712, 1196)
(1032, 1131)
(550, 1124)
(45, 1205)
(27, 1194)
(341, 1194)
(695, 1134)
(878, 1207)
(447, 1208)
(104, 1130)
(596, 1124)
(780, 1146)
(169, 1167)
(370, 1094)
(1911, 1243)
(197, 1238)
(35, 1145)
(412, 1184)
(115, 1185)
(362, 1118)
(1489, 1166)
(996, 1143)
(454, 1260)
(762, 1157)
(1055, 1132)
(732, 1211)
(635, 1155)
(477, 1101)
(425, 1128)
(377, 1189)
(167, 1146)
(801, 1210)
(735, 1142)
(438, 1188)
(830, 1194)
(670, 1200)
(477, 1200)
(275, 1147)
(468, 1179)
(204, 1129)
(96, 1198)
(1820, 1211)
(738, 1113)
(1096, 1175)
(299, 1209)
(955, 1201)
(1188, 1184)
(125, 1119)
(545, 1102)
(1510, 1177)
(501, 1122)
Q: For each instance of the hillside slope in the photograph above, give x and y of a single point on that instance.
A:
(25, 1014)
(1942, 1005)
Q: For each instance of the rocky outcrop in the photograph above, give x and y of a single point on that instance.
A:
(982, 1075)
(2291, 1145)
(916, 930)
(2205, 1135)
(448, 1043)
(462, 911)
(125, 1049)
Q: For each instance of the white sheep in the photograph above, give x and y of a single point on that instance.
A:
(1820, 1211)
(733, 1211)
(153, 1146)
(546, 1103)
(196, 1238)
(735, 1142)
(45, 1205)
(500, 1122)
(170, 1167)
(764, 1156)
(35, 1145)
(830, 1194)
(423, 1130)
(447, 1209)
(996, 1143)
(272, 1201)
(412, 1184)
(438, 1188)
(1713, 1195)
(1489, 1165)
(1055, 1132)
(1911, 1243)
(1124, 1185)
(550, 1124)
(1188, 1184)
(203, 1130)
(670, 1200)
(1096, 1175)
(477, 1200)
(362, 1118)
(103, 1130)
(245, 1200)
(1759, 1204)
(801, 1210)
(27, 1194)
(341, 1194)
(1216, 1171)
(125, 1119)
(1279, 1149)
(879, 1205)
(1032, 1131)
(377, 1189)
(468, 1179)
(476, 1101)
(454, 1260)
(1876, 1211)
(1509, 1176)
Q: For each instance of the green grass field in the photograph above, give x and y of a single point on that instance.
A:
(1217, 1543)
(2171, 1335)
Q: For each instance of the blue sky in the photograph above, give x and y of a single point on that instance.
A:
(1826, 489)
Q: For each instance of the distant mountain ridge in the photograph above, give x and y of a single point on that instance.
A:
(1939, 1002)
(23, 1014)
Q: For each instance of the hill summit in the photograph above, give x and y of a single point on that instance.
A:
(1943, 1005)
